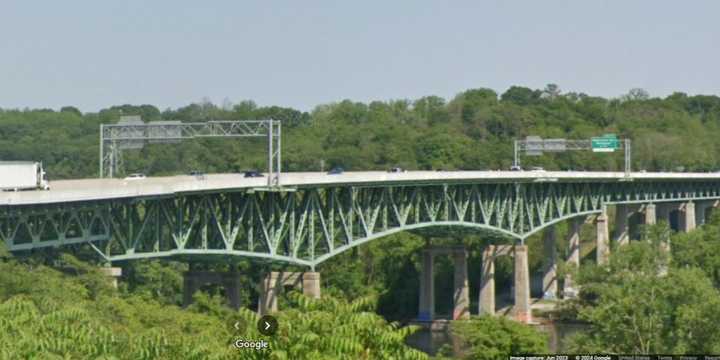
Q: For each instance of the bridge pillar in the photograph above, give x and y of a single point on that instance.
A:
(687, 216)
(701, 211)
(522, 285)
(113, 273)
(487, 282)
(273, 283)
(311, 284)
(650, 214)
(569, 290)
(602, 248)
(663, 212)
(194, 279)
(622, 224)
(550, 264)
(461, 297)
(426, 312)
(269, 292)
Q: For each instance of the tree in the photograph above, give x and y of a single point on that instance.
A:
(636, 305)
(497, 337)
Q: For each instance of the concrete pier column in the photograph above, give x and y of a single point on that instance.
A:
(569, 290)
(231, 282)
(650, 214)
(426, 311)
(603, 244)
(701, 211)
(269, 292)
(549, 264)
(687, 217)
(663, 211)
(190, 286)
(622, 224)
(112, 273)
(486, 305)
(461, 296)
(522, 285)
(311, 284)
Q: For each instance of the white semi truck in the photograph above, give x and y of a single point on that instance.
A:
(22, 175)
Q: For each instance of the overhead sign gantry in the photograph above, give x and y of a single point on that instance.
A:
(132, 133)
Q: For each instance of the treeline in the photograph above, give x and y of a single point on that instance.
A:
(474, 130)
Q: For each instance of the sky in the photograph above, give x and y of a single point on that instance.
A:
(96, 54)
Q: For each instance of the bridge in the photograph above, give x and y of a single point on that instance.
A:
(315, 216)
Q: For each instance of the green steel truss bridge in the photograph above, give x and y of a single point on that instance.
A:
(315, 216)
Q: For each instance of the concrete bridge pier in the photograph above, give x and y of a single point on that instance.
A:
(569, 289)
(426, 311)
(687, 217)
(650, 212)
(194, 279)
(703, 209)
(112, 273)
(522, 311)
(461, 293)
(602, 238)
(486, 303)
(623, 212)
(274, 282)
(550, 286)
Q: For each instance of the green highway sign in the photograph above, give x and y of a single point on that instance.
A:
(605, 143)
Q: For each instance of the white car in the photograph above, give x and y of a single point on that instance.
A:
(137, 176)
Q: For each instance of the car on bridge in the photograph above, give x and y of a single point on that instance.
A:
(252, 174)
(396, 170)
(336, 170)
(135, 176)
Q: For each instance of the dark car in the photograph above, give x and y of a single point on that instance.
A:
(515, 168)
(336, 171)
(253, 174)
(396, 170)
(196, 173)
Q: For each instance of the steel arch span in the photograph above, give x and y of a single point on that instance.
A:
(310, 224)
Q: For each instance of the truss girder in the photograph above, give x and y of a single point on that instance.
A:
(310, 225)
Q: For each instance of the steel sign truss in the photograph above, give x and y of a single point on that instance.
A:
(133, 135)
(310, 225)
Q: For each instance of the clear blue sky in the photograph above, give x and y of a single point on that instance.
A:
(94, 54)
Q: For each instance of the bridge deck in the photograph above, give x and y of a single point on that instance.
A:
(98, 189)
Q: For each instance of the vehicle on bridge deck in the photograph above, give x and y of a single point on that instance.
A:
(22, 175)
(136, 176)
(336, 171)
(396, 170)
(252, 174)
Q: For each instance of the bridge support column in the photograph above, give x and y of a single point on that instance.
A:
(486, 305)
(113, 273)
(663, 212)
(550, 264)
(687, 216)
(426, 312)
(311, 284)
(461, 297)
(522, 285)
(622, 224)
(273, 283)
(269, 292)
(569, 290)
(650, 214)
(194, 279)
(701, 211)
(603, 248)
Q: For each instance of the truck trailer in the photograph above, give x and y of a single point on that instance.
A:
(22, 175)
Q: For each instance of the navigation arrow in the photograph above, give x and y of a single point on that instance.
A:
(267, 325)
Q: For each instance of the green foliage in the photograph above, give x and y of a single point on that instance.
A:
(491, 338)
(637, 305)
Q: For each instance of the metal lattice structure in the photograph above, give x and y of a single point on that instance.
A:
(311, 224)
(114, 138)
